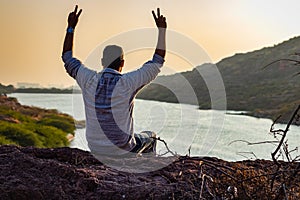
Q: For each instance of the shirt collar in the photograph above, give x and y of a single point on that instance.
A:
(112, 71)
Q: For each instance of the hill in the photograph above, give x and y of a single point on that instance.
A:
(264, 92)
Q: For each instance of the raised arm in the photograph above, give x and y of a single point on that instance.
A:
(72, 22)
(161, 24)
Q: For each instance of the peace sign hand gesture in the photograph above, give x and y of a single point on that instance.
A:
(160, 20)
(73, 17)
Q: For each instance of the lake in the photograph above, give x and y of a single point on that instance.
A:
(183, 127)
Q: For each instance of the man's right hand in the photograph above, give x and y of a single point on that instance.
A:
(73, 17)
(160, 20)
(161, 24)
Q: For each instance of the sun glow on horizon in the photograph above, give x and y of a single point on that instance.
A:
(33, 31)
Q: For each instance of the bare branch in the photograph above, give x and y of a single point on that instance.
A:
(168, 150)
(246, 152)
(252, 143)
(283, 59)
(284, 135)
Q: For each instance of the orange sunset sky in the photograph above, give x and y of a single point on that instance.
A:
(32, 31)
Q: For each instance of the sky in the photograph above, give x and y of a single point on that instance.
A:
(32, 32)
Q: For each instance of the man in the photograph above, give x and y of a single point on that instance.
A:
(109, 95)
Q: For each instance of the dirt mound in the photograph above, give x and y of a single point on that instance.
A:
(66, 173)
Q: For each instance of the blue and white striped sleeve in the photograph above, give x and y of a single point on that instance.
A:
(76, 69)
(72, 65)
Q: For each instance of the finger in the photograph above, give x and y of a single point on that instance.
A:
(153, 13)
(158, 12)
(76, 7)
(79, 13)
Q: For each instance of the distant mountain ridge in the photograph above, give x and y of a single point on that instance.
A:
(11, 89)
(264, 92)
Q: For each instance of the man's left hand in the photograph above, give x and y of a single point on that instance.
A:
(160, 20)
(73, 17)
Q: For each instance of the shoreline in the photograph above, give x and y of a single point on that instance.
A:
(258, 113)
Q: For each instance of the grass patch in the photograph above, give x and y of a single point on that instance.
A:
(32, 126)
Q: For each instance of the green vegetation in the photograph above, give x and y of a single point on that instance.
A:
(264, 92)
(59, 121)
(32, 126)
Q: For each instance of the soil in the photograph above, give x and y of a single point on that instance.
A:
(68, 173)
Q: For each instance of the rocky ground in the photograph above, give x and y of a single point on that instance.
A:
(66, 173)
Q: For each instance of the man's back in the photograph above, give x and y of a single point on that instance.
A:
(109, 101)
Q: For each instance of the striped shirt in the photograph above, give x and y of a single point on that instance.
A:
(109, 100)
